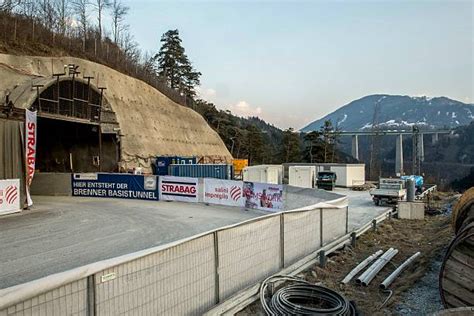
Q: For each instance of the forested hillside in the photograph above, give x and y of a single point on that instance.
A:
(76, 28)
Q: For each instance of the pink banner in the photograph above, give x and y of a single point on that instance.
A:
(30, 149)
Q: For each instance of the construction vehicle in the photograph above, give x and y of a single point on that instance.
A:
(389, 191)
(326, 180)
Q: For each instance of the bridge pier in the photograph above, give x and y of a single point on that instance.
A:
(434, 138)
(399, 155)
(421, 148)
(355, 146)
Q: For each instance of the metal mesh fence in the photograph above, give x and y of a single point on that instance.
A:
(69, 299)
(176, 281)
(334, 223)
(191, 277)
(302, 234)
(247, 254)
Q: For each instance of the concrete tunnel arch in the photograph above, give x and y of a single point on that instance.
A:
(77, 128)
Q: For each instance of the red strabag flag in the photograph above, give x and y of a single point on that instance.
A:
(30, 144)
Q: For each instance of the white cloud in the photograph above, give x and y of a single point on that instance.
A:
(244, 109)
(207, 94)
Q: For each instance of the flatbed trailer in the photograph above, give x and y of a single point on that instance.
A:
(390, 191)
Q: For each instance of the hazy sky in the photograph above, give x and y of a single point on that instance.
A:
(292, 62)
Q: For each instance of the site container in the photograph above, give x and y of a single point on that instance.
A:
(161, 164)
(263, 174)
(348, 175)
(218, 171)
(302, 176)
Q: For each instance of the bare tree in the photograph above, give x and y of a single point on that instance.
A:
(101, 5)
(9, 5)
(81, 10)
(119, 11)
(47, 14)
(62, 8)
(28, 8)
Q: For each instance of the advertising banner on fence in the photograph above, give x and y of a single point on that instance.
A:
(9, 196)
(263, 196)
(115, 185)
(179, 189)
(30, 150)
(224, 192)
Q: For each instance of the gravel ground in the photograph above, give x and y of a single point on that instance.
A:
(424, 297)
(415, 291)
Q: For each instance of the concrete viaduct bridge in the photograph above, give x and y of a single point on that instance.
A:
(417, 137)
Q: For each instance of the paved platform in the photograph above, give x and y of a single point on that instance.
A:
(361, 207)
(62, 233)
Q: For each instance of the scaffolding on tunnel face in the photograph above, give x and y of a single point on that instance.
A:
(70, 97)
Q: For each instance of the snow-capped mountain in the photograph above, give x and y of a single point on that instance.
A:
(398, 112)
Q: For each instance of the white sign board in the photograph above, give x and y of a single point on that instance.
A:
(179, 189)
(9, 196)
(224, 192)
(30, 150)
(263, 196)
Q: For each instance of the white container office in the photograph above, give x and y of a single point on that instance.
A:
(263, 174)
(302, 176)
(348, 175)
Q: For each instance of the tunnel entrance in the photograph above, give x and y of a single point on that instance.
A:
(64, 146)
(77, 129)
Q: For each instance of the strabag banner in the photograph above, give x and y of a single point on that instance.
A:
(111, 185)
(30, 150)
(263, 196)
(224, 192)
(9, 196)
(179, 189)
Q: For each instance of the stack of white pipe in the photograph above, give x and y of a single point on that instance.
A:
(386, 283)
(369, 274)
(361, 266)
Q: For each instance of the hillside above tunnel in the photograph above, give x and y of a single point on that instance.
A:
(147, 122)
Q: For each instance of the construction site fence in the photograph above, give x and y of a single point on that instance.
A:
(186, 277)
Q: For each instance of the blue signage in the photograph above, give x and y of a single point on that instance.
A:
(115, 185)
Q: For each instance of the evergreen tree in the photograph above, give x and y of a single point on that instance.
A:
(174, 65)
(255, 145)
(328, 140)
(313, 147)
(290, 146)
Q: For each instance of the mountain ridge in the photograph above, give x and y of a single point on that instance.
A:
(398, 111)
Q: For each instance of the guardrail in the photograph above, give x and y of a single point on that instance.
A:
(432, 188)
(189, 276)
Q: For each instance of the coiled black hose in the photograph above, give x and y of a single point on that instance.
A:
(301, 297)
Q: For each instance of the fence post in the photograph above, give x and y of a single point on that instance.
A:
(347, 219)
(321, 227)
(216, 266)
(322, 259)
(353, 239)
(91, 306)
(282, 240)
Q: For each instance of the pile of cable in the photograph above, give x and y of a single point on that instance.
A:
(285, 295)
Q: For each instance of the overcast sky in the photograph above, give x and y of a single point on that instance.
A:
(293, 62)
